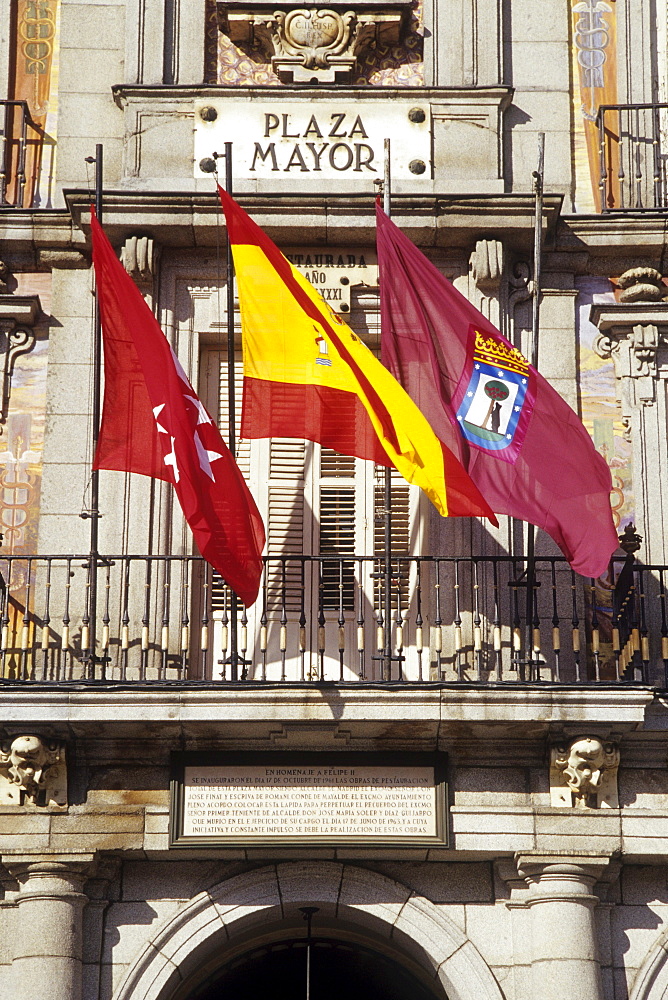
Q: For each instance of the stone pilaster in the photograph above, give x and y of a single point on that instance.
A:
(47, 941)
(635, 336)
(564, 953)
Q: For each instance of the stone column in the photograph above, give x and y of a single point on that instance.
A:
(564, 954)
(47, 933)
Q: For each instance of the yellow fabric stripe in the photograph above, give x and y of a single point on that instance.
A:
(282, 344)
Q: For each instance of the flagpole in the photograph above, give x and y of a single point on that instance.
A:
(231, 405)
(387, 492)
(94, 512)
(533, 359)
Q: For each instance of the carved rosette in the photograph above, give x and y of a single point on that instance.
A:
(583, 773)
(33, 772)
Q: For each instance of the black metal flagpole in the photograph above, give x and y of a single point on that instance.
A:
(94, 512)
(387, 485)
(233, 658)
(533, 359)
(308, 912)
(231, 406)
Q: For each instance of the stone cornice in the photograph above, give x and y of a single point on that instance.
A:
(192, 219)
(124, 91)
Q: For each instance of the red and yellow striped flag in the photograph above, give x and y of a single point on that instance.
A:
(307, 375)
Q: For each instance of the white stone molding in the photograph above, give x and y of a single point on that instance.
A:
(48, 946)
(33, 772)
(583, 773)
(214, 925)
(564, 956)
(634, 335)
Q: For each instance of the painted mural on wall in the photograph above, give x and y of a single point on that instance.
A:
(22, 437)
(36, 48)
(594, 55)
(601, 412)
(601, 415)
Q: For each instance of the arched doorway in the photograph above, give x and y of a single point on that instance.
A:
(263, 908)
(338, 969)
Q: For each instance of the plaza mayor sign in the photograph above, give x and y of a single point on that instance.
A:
(315, 141)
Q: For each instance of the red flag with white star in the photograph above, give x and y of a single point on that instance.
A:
(154, 424)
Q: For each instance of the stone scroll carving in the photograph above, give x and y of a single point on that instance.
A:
(583, 774)
(33, 772)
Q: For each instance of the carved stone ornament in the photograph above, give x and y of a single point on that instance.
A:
(642, 284)
(314, 36)
(314, 44)
(583, 774)
(139, 258)
(33, 772)
(486, 263)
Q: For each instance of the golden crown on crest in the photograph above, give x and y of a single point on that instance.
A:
(495, 352)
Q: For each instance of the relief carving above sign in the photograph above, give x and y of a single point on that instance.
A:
(313, 44)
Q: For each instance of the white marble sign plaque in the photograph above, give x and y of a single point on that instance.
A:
(328, 802)
(310, 142)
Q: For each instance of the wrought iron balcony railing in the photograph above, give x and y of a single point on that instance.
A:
(633, 150)
(323, 619)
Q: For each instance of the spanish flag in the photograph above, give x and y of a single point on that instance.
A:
(307, 375)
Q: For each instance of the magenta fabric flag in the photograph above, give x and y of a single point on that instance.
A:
(524, 447)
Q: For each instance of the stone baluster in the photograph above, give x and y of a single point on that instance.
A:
(564, 955)
(47, 960)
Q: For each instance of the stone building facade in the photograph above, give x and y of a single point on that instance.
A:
(549, 874)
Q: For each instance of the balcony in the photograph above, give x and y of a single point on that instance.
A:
(168, 619)
(21, 146)
(633, 149)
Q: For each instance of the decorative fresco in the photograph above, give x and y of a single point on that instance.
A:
(601, 412)
(36, 82)
(594, 56)
(398, 65)
(22, 437)
(601, 415)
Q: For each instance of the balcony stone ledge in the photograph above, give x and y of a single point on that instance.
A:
(426, 713)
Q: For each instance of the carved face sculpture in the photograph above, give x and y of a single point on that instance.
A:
(585, 764)
(28, 758)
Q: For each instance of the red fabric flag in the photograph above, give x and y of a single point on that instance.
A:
(524, 447)
(153, 423)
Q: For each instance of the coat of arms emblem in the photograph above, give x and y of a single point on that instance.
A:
(496, 403)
